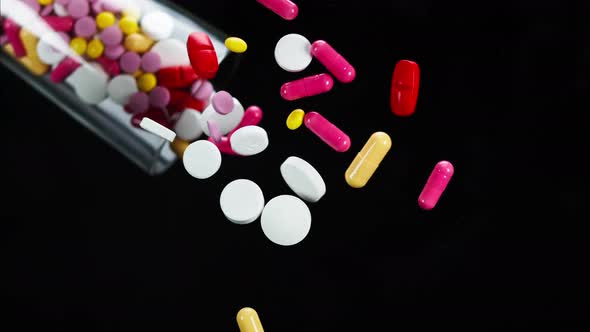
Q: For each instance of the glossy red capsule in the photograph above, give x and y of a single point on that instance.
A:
(202, 55)
(67, 66)
(12, 31)
(405, 84)
(176, 77)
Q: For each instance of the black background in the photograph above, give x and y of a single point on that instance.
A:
(87, 238)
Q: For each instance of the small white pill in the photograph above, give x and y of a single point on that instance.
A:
(157, 129)
(59, 9)
(293, 52)
(249, 140)
(286, 220)
(157, 25)
(121, 88)
(172, 53)
(201, 159)
(241, 201)
(89, 82)
(188, 126)
(226, 122)
(51, 48)
(303, 179)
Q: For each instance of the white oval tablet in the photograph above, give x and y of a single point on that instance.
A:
(201, 159)
(121, 88)
(303, 179)
(157, 129)
(89, 82)
(157, 25)
(172, 53)
(241, 201)
(51, 48)
(293, 52)
(249, 140)
(226, 122)
(188, 126)
(286, 220)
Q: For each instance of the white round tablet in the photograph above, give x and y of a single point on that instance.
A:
(89, 82)
(249, 140)
(172, 53)
(51, 48)
(286, 220)
(293, 52)
(303, 179)
(157, 25)
(188, 126)
(241, 201)
(226, 122)
(121, 88)
(201, 159)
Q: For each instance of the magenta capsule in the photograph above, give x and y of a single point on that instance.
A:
(307, 87)
(327, 132)
(333, 61)
(284, 8)
(64, 69)
(436, 184)
(12, 31)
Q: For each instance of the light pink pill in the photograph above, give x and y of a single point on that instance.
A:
(3, 39)
(111, 5)
(85, 27)
(139, 102)
(436, 185)
(130, 62)
(223, 102)
(111, 36)
(151, 62)
(34, 4)
(96, 6)
(62, 2)
(78, 8)
(214, 131)
(204, 91)
(159, 97)
(114, 52)
(47, 10)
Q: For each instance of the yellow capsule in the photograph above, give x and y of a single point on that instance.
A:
(236, 45)
(128, 24)
(295, 119)
(32, 61)
(146, 82)
(45, 2)
(137, 42)
(95, 49)
(105, 20)
(248, 321)
(35, 67)
(366, 162)
(79, 45)
(178, 146)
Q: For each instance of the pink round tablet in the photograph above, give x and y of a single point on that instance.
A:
(114, 52)
(139, 102)
(130, 62)
(111, 6)
(78, 8)
(34, 4)
(223, 102)
(159, 97)
(204, 91)
(47, 10)
(85, 27)
(62, 2)
(214, 131)
(111, 36)
(97, 7)
(151, 62)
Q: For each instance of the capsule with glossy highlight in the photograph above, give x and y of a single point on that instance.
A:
(367, 161)
(307, 87)
(327, 132)
(284, 8)
(333, 61)
(248, 320)
(436, 185)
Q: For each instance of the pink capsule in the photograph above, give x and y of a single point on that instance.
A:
(284, 8)
(328, 132)
(64, 69)
(12, 31)
(333, 61)
(436, 184)
(307, 87)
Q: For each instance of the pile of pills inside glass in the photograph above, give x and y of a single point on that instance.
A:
(102, 49)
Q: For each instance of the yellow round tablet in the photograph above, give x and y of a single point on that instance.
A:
(295, 119)
(45, 2)
(236, 45)
(95, 48)
(105, 20)
(79, 45)
(146, 82)
(128, 24)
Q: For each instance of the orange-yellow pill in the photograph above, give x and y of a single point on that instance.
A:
(137, 42)
(31, 61)
(367, 161)
(248, 320)
(178, 146)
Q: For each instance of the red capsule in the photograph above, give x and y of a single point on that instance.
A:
(436, 185)
(67, 66)
(180, 100)
(202, 55)
(327, 132)
(405, 84)
(60, 23)
(12, 31)
(284, 8)
(307, 87)
(110, 66)
(333, 61)
(176, 77)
